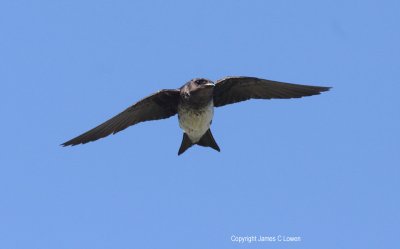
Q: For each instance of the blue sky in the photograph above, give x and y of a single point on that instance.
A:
(325, 168)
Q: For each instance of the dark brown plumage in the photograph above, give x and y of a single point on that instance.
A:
(235, 89)
(160, 105)
(193, 99)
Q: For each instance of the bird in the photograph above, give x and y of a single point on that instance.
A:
(194, 102)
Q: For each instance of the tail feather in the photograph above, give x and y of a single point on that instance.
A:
(207, 140)
(186, 144)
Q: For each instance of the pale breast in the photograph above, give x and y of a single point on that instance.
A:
(195, 122)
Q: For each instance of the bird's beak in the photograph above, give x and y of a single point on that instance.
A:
(207, 85)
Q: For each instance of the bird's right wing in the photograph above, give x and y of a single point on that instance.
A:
(235, 89)
(160, 105)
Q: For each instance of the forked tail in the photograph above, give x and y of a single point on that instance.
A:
(207, 140)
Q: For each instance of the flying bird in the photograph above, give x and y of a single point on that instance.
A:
(194, 103)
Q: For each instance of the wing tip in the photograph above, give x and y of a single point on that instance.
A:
(325, 88)
(75, 141)
(69, 143)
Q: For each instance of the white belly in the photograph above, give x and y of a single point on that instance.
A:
(196, 123)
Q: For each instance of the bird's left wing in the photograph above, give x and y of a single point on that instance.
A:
(235, 89)
(160, 105)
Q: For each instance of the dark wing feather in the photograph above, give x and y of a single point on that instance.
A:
(160, 105)
(235, 89)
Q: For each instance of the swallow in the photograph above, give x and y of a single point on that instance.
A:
(194, 103)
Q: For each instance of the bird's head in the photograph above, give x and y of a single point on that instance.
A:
(198, 90)
(202, 83)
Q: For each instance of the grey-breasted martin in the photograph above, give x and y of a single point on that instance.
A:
(194, 103)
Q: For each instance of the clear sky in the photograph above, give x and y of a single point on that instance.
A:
(325, 168)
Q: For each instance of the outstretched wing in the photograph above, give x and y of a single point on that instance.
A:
(235, 89)
(160, 105)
